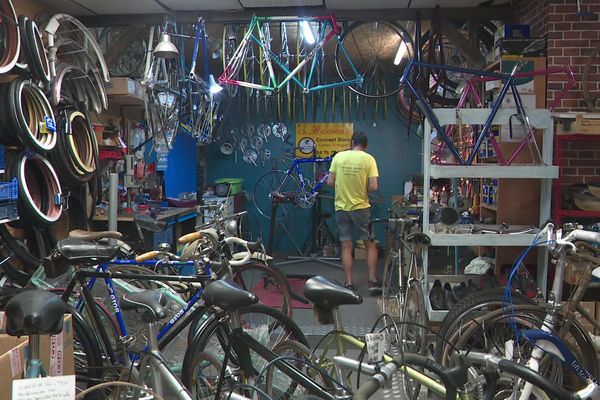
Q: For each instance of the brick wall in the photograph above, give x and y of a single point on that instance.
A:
(580, 162)
(571, 40)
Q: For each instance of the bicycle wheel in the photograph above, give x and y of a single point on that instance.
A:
(230, 44)
(274, 186)
(207, 377)
(474, 305)
(379, 51)
(86, 352)
(267, 282)
(117, 390)
(267, 325)
(414, 314)
(489, 332)
(300, 357)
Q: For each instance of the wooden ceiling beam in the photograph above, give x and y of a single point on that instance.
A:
(501, 12)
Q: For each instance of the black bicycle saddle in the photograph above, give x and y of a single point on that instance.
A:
(227, 296)
(327, 294)
(34, 312)
(151, 302)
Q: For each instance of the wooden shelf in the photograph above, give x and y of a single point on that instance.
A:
(488, 207)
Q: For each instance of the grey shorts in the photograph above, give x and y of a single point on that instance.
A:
(349, 222)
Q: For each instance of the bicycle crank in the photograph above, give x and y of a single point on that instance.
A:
(306, 199)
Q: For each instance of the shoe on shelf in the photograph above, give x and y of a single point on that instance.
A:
(374, 287)
(436, 296)
(449, 296)
(350, 286)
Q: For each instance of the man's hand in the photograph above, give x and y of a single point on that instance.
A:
(373, 184)
(331, 179)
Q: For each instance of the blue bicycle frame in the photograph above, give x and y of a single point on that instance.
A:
(537, 337)
(162, 337)
(296, 167)
(509, 83)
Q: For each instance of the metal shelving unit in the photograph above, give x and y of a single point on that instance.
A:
(541, 119)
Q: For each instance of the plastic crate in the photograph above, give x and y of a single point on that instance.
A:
(9, 194)
(9, 190)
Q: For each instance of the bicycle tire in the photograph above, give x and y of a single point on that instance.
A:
(229, 45)
(414, 312)
(303, 354)
(487, 335)
(267, 185)
(490, 298)
(118, 390)
(87, 352)
(253, 275)
(208, 377)
(381, 45)
(213, 333)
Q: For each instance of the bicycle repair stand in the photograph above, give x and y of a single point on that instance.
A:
(313, 250)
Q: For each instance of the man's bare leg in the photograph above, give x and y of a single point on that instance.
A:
(347, 259)
(371, 247)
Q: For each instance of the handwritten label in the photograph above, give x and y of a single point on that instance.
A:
(16, 368)
(51, 388)
(56, 354)
(375, 346)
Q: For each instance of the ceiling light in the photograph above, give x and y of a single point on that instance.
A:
(213, 86)
(165, 49)
(307, 32)
(402, 50)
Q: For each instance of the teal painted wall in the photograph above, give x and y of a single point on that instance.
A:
(398, 156)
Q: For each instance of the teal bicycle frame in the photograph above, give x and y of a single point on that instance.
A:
(329, 28)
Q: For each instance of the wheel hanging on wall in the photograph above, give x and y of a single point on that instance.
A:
(11, 37)
(75, 156)
(40, 192)
(33, 49)
(27, 119)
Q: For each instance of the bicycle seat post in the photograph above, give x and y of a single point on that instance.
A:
(34, 367)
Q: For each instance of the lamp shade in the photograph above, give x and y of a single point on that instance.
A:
(165, 49)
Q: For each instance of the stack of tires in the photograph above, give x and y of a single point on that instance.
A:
(50, 148)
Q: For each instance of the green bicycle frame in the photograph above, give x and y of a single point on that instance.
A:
(328, 28)
(342, 338)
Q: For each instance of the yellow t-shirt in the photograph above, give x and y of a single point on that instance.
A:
(352, 169)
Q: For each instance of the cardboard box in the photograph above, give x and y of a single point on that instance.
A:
(124, 87)
(577, 123)
(56, 354)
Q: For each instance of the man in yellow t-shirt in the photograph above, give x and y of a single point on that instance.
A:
(354, 174)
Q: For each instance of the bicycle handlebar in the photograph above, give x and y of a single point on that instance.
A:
(451, 378)
(523, 372)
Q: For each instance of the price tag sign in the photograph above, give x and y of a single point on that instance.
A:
(375, 347)
(50, 388)
(50, 124)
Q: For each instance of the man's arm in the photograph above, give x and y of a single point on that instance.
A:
(373, 184)
(331, 179)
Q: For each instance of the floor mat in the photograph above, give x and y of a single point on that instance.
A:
(272, 296)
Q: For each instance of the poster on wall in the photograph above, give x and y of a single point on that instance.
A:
(327, 137)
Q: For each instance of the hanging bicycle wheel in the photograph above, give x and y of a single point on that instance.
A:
(276, 187)
(379, 52)
(230, 44)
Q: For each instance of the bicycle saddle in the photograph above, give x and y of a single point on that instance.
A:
(93, 236)
(328, 294)
(418, 237)
(227, 296)
(83, 252)
(151, 302)
(34, 312)
(255, 246)
(150, 224)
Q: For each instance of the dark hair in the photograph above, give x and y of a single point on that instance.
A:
(360, 139)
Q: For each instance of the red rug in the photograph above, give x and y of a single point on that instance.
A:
(272, 295)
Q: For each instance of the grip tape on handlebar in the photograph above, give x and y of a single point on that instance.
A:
(147, 256)
(190, 237)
